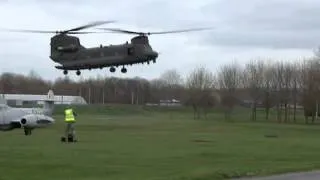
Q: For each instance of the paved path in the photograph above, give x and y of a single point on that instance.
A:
(314, 175)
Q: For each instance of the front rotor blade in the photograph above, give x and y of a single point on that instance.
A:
(28, 31)
(96, 23)
(55, 32)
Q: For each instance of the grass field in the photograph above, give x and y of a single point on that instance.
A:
(137, 144)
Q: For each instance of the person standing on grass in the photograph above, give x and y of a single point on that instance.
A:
(70, 121)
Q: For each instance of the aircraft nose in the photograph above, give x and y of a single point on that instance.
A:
(50, 119)
(45, 120)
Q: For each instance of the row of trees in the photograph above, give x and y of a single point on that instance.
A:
(283, 85)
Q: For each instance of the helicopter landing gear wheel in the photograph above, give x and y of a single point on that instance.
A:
(154, 61)
(78, 73)
(112, 69)
(123, 70)
(65, 72)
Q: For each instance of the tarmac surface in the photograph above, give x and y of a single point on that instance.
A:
(313, 175)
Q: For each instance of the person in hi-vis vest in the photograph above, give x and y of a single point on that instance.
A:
(70, 121)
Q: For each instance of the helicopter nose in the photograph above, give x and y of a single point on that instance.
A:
(156, 54)
(153, 55)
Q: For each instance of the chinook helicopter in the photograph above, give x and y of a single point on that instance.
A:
(72, 55)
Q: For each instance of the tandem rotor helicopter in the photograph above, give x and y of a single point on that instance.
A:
(70, 54)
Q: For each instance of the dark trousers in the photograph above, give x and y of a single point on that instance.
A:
(70, 129)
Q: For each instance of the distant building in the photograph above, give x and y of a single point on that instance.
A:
(170, 102)
(32, 99)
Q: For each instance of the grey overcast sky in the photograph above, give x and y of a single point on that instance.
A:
(244, 30)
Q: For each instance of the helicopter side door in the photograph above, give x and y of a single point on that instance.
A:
(130, 51)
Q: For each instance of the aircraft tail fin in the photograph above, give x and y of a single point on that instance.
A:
(2, 99)
(49, 104)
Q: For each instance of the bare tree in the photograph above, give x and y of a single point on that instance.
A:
(172, 81)
(253, 78)
(295, 81)
(302, 86)
(171, 77)
(288, 86)
(200, 84)
(278, 84)
(311, 89)
(268, 100)
(34, 75)
(156, 87)
(229, 79)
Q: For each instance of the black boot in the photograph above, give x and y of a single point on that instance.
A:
(70, 138)
(63, 139)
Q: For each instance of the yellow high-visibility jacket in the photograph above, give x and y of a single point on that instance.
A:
(69, 116)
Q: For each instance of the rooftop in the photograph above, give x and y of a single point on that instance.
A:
(34, 97)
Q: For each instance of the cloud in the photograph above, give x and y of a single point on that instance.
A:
(244, 30)
(281, 24)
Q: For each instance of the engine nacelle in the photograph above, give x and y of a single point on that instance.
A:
(36, 121)
(29, 121)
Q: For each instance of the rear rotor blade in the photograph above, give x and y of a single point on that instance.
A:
(92, 24)
(150, 33)
(178, 31)
(120, 30)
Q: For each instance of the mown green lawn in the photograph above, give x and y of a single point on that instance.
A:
(150, 145)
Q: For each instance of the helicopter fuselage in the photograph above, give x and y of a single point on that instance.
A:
(113, 55)
(71, 55)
